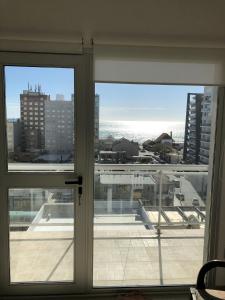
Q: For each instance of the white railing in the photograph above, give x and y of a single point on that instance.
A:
(150, 167)
(131, 170)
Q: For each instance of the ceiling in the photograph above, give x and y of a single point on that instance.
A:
(158, 22)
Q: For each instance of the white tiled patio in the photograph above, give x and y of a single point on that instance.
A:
(124, 254)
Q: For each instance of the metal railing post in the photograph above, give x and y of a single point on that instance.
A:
(160, 202)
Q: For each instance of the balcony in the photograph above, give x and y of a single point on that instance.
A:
(204, 151)
(192, 121)
(205, 138)
(206, 123)
(147, 228)
(206, 129)
(205, 145)
(203, 159)
(153, 236)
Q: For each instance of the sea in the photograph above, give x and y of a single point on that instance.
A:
(140, 131)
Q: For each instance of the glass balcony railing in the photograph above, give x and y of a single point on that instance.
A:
(148, 224)
(148, 227)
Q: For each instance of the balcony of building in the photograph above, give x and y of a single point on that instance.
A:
(206, 123)
(206, 129)
(204, 151)
(205, 137)
(203, 159)
(192, 105)
(192, 128)
(192, 121)
(204, 145)
(192, 144)
(148, 224)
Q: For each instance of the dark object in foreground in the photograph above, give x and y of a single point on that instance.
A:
(201, 291)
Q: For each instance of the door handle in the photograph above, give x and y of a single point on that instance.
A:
(78, 181)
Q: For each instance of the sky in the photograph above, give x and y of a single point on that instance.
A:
(144, 102)
(127, 102)
(52, 80)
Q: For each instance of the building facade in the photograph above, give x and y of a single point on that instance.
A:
(13, 135)
(131, 148)
(32, 114)
(59, 126)
(193, 128)
(198, 126)
(207, 105)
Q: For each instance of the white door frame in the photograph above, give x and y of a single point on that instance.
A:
(84, 114)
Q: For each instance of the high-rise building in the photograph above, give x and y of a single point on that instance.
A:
(49, 124)
(207, 106)
(32, 112)
(59, 126)
(193, 128)
(198, 126)
(13, 135)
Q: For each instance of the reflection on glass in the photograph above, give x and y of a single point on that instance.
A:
(41, 235)
(40, 121)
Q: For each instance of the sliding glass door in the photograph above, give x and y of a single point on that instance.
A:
(43, 169)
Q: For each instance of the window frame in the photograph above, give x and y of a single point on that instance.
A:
(81, 64)
(87, 277)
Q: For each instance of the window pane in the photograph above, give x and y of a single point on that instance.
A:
(151, 178)
(40, 122)
(41, 235)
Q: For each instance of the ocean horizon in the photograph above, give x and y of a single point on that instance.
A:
(140, 131)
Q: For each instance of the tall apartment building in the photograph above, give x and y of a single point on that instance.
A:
(207, 106)
(198, 126)
(193, 128)
(59, 126)
(13, 135)
(49, 124)
(32, 112)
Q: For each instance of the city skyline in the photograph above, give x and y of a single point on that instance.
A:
(127, 102)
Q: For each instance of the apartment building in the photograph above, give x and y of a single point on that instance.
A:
(198, 126)
(206, 128)
(13, 135)
(193, 128)
(32, 115)
(59, 126)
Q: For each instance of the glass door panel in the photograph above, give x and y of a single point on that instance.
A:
(40, 118)
(41, 232)
(44, 142)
